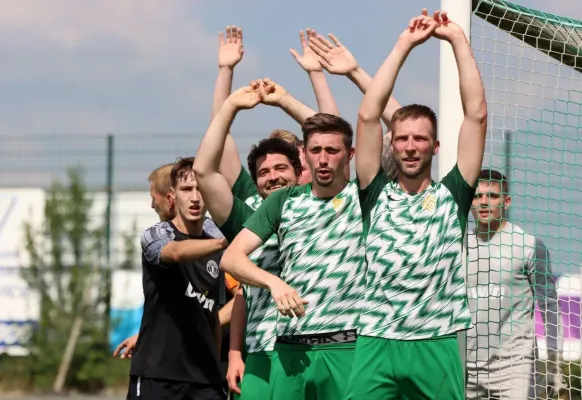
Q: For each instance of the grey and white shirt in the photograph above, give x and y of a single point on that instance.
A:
(506, 276)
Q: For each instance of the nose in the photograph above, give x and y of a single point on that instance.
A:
(195, 196)
(483, 200)
(323, 159)
(409, 145)
(273, 175)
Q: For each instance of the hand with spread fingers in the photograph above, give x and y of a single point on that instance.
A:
(335, 57)
(419, 30)
(309, 61)
(231, 47)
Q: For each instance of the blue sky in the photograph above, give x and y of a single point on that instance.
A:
(89, 67)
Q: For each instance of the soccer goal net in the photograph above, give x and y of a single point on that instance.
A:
(531, 66)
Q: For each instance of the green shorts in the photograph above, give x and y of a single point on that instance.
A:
(255, 382)
(306, 372)
(406, 369)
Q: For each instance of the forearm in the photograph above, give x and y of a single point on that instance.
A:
(222, 88)
(210, 150)
(190, 250)
(295, 109)
(237, 323)
(325, 101)
(225, 313)
(363, 81)
(470, 83)
(244, 270)
(380, 90)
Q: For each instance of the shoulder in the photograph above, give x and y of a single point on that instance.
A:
(160, 231)
(210, 229)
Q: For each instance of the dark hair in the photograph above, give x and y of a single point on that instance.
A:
(491, 175)
(326, 123)
(181, 170)
(273, 146)
(415, 111)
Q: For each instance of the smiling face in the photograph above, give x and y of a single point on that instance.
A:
(274, 172)
(413, 146)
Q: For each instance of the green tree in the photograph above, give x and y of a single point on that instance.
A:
(65, 252)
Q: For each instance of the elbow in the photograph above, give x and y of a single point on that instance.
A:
(479, 113)
(199, 169)
(226, 261)
(366, 115)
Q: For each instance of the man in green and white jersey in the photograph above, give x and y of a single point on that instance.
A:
(273, 164)
(319, 230)
(415, 298)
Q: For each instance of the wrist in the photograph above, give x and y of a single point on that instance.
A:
(225, 68)
(458, 38)
(271, 281)
(283, 101)
(315, 73)
(404, 45)
(234, 355)
(355, 74)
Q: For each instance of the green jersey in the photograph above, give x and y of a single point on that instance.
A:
(322, 255)
(414, 247)
(261, 310)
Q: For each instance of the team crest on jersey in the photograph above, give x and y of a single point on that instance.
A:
(212, 268)
(337, 203)
(429, 202)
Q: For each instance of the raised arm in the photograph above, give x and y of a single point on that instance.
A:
(369, 129)
(230, 52)
(310, 62)
(474, 127)
(275, 95)
(338, 60)
(213, 186)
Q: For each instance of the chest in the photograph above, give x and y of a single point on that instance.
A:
(496, 263)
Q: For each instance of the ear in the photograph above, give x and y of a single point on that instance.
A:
(506, 200)
(351, 154)
(437, 145)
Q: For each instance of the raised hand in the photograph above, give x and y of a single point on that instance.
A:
(446, 29)
(231, 47)
(245, 98)
(309, 61)
(270, 92)
(419, 29)
(335, 57)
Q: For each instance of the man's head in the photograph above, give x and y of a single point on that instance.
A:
(189, 203)
(293, 139)
(328, 147)
(160, 190)
(491, 198)
(274, 164)
(414, 140)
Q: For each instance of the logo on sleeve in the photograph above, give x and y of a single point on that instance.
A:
(212, 268)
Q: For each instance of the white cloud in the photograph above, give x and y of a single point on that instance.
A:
(71, 65)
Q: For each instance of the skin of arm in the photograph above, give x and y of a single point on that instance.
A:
(236, 365)
(474, 127)
(230, 53)
(274, 94)
(338, 60)
(369, 129)
(236, 262)
(310, 62)
(225, 313)
(192, 249)
(213, 186)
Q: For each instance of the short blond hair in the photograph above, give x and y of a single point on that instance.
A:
(161, 178)
(286, 136)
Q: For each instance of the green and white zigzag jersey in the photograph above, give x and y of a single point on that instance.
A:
(415, 283)
(261, 310)
(322, 255)
(254, 201)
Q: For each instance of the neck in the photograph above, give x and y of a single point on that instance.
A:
(414, 185)
(323, 192)
(190, 228)
(486, 231)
